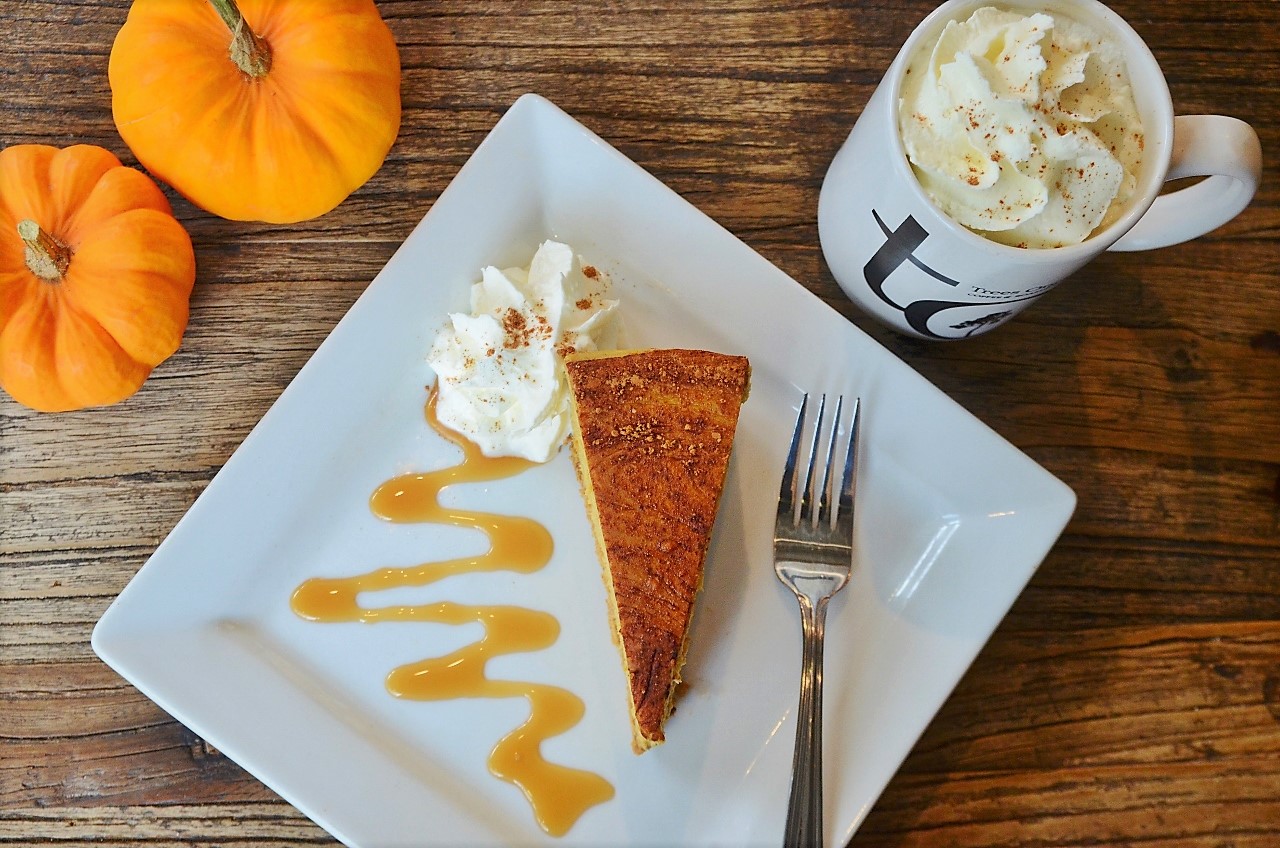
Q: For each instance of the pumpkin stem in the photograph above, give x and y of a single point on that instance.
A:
(47, 257)
(248, 50)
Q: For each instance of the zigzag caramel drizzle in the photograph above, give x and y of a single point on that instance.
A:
(558, 794)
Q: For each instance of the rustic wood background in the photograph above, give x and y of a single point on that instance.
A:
(1132, 696)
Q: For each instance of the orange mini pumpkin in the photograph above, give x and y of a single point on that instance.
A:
(275, 115)
(95, 277)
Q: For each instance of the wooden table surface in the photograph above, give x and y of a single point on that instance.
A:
(1131, 696)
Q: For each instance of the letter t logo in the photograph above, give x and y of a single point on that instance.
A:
(898, 248)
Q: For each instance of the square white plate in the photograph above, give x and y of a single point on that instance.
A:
(952, 523)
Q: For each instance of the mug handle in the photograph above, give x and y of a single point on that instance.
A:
(1227, 151)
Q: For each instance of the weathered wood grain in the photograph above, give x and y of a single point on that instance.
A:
(162, 826)
(1132, 695)
(1210, 804)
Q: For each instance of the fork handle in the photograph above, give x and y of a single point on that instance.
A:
(804, 810)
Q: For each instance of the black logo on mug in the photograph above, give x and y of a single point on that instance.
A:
(899, 249)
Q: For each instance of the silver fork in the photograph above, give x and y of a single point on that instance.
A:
(813, 556)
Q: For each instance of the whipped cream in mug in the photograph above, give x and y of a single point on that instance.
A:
(501, 380)
(1023, 128)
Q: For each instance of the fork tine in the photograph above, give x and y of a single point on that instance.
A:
(827, 506)
(850, 477)
(787, 496)
(812, 492)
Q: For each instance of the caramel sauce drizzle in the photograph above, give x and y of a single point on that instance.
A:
(558, 794)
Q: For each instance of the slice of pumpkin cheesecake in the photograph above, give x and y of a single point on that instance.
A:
(652, 432)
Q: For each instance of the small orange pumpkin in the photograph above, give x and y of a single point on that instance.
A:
(275, 115)
(95, 277)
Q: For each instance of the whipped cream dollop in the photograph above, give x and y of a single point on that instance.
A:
(1023, 128)
(500, 374)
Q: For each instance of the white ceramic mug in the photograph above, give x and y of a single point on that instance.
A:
(905, 262)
